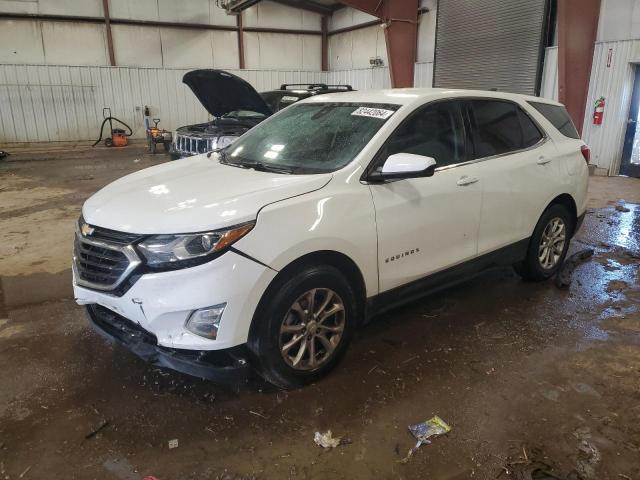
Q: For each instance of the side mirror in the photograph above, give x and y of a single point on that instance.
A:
(405, 165)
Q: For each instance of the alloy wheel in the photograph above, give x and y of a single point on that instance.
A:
(312, 329)
(552, 243)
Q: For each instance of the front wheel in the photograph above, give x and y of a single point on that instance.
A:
(548, 245)
(304, 328)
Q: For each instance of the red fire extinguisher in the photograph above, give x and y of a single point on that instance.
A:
(598, 111)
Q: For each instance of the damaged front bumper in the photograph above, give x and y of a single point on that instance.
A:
(228, 366)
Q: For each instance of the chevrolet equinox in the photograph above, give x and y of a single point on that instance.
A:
(268, 253)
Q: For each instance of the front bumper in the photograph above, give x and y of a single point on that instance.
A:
(160, 303)
(227, 366)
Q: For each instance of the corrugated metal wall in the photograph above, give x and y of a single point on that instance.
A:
(489, 44)
(549, 87)
(612, 78)
(423, 75)
(361, 78)
(42, 103)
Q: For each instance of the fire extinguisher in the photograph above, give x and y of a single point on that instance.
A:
(598, 111)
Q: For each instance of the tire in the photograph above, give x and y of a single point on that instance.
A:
(167, 146)
(536, 266)
(284, 308)
(108, 142)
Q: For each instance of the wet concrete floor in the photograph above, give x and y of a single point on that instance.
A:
(529, 376)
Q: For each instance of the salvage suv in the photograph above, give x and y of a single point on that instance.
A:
(236, 108)
(267, 254)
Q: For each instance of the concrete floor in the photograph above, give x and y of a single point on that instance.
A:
(517, 369)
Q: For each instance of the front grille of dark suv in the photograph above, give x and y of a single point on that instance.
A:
(189, 145)
(103, 258)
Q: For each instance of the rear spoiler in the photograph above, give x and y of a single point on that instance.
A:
(315, 86)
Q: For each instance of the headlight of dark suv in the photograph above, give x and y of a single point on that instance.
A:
(177, 250)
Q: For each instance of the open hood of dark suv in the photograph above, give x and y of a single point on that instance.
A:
(221, 92)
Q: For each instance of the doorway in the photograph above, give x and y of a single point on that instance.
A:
(630, 162)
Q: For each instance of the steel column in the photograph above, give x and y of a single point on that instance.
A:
(577, 30)
(107, 26)
(241, 64)
(325, 42)
(400, 21)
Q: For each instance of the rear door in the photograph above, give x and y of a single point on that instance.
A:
(517, 167)
(427, 224)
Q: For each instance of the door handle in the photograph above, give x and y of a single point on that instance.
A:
(464, 181)
(543, 160)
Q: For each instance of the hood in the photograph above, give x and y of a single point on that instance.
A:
(192, 195)
(221, 92)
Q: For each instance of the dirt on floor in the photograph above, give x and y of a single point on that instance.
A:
(535, 381)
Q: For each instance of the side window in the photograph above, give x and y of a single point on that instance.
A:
(500, 127)
(435, 131)
(530, 132)
(559, 117)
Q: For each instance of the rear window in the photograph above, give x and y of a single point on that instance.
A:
(559, 118)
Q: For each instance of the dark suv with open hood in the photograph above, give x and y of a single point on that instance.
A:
(236, 107)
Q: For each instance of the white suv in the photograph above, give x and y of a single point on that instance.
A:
(269, 253)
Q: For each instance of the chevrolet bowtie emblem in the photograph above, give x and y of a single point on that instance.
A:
(86, 229)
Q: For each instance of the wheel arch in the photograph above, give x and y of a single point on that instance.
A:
(569, 203)
(322, 257)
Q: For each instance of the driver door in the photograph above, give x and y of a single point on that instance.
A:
(428, 224)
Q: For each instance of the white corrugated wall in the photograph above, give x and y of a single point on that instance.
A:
(614, 81)
(43, 103)
(361, 78)
(549, 87)
(423, 75)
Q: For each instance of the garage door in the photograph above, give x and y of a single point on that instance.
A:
(487, 44)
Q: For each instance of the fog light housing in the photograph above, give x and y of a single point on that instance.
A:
(206, 321)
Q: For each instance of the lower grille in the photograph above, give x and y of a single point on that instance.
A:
(104, 262)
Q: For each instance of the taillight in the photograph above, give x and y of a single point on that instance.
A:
(586, 153)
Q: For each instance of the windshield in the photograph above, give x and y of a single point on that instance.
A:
(309, 137)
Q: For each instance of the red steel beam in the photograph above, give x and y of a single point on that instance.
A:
(241, 64)
(400, 21)
(107, 26)
(325, 42)
(577, 30)
(151, 23)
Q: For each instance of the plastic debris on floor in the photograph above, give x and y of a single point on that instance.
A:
(433, 427)
(326, 440)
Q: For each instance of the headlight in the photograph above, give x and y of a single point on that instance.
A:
(225, 141)
(175, 250)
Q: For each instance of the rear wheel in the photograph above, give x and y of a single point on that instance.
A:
(548, 245)
(305, 327)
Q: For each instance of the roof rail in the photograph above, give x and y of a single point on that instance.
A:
(315, 86)
(346, 87)
(309, 86)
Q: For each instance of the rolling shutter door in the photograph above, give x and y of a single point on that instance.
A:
(485, 44)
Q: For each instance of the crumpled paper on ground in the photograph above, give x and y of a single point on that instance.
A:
(326, 440)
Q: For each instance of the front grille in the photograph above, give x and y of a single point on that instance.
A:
(104, 258)
(190, 145)
(113, 236)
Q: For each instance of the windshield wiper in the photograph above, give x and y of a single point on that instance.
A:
(258, 166)
(266, 167)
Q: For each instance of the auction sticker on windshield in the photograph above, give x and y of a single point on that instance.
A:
(373, 112)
